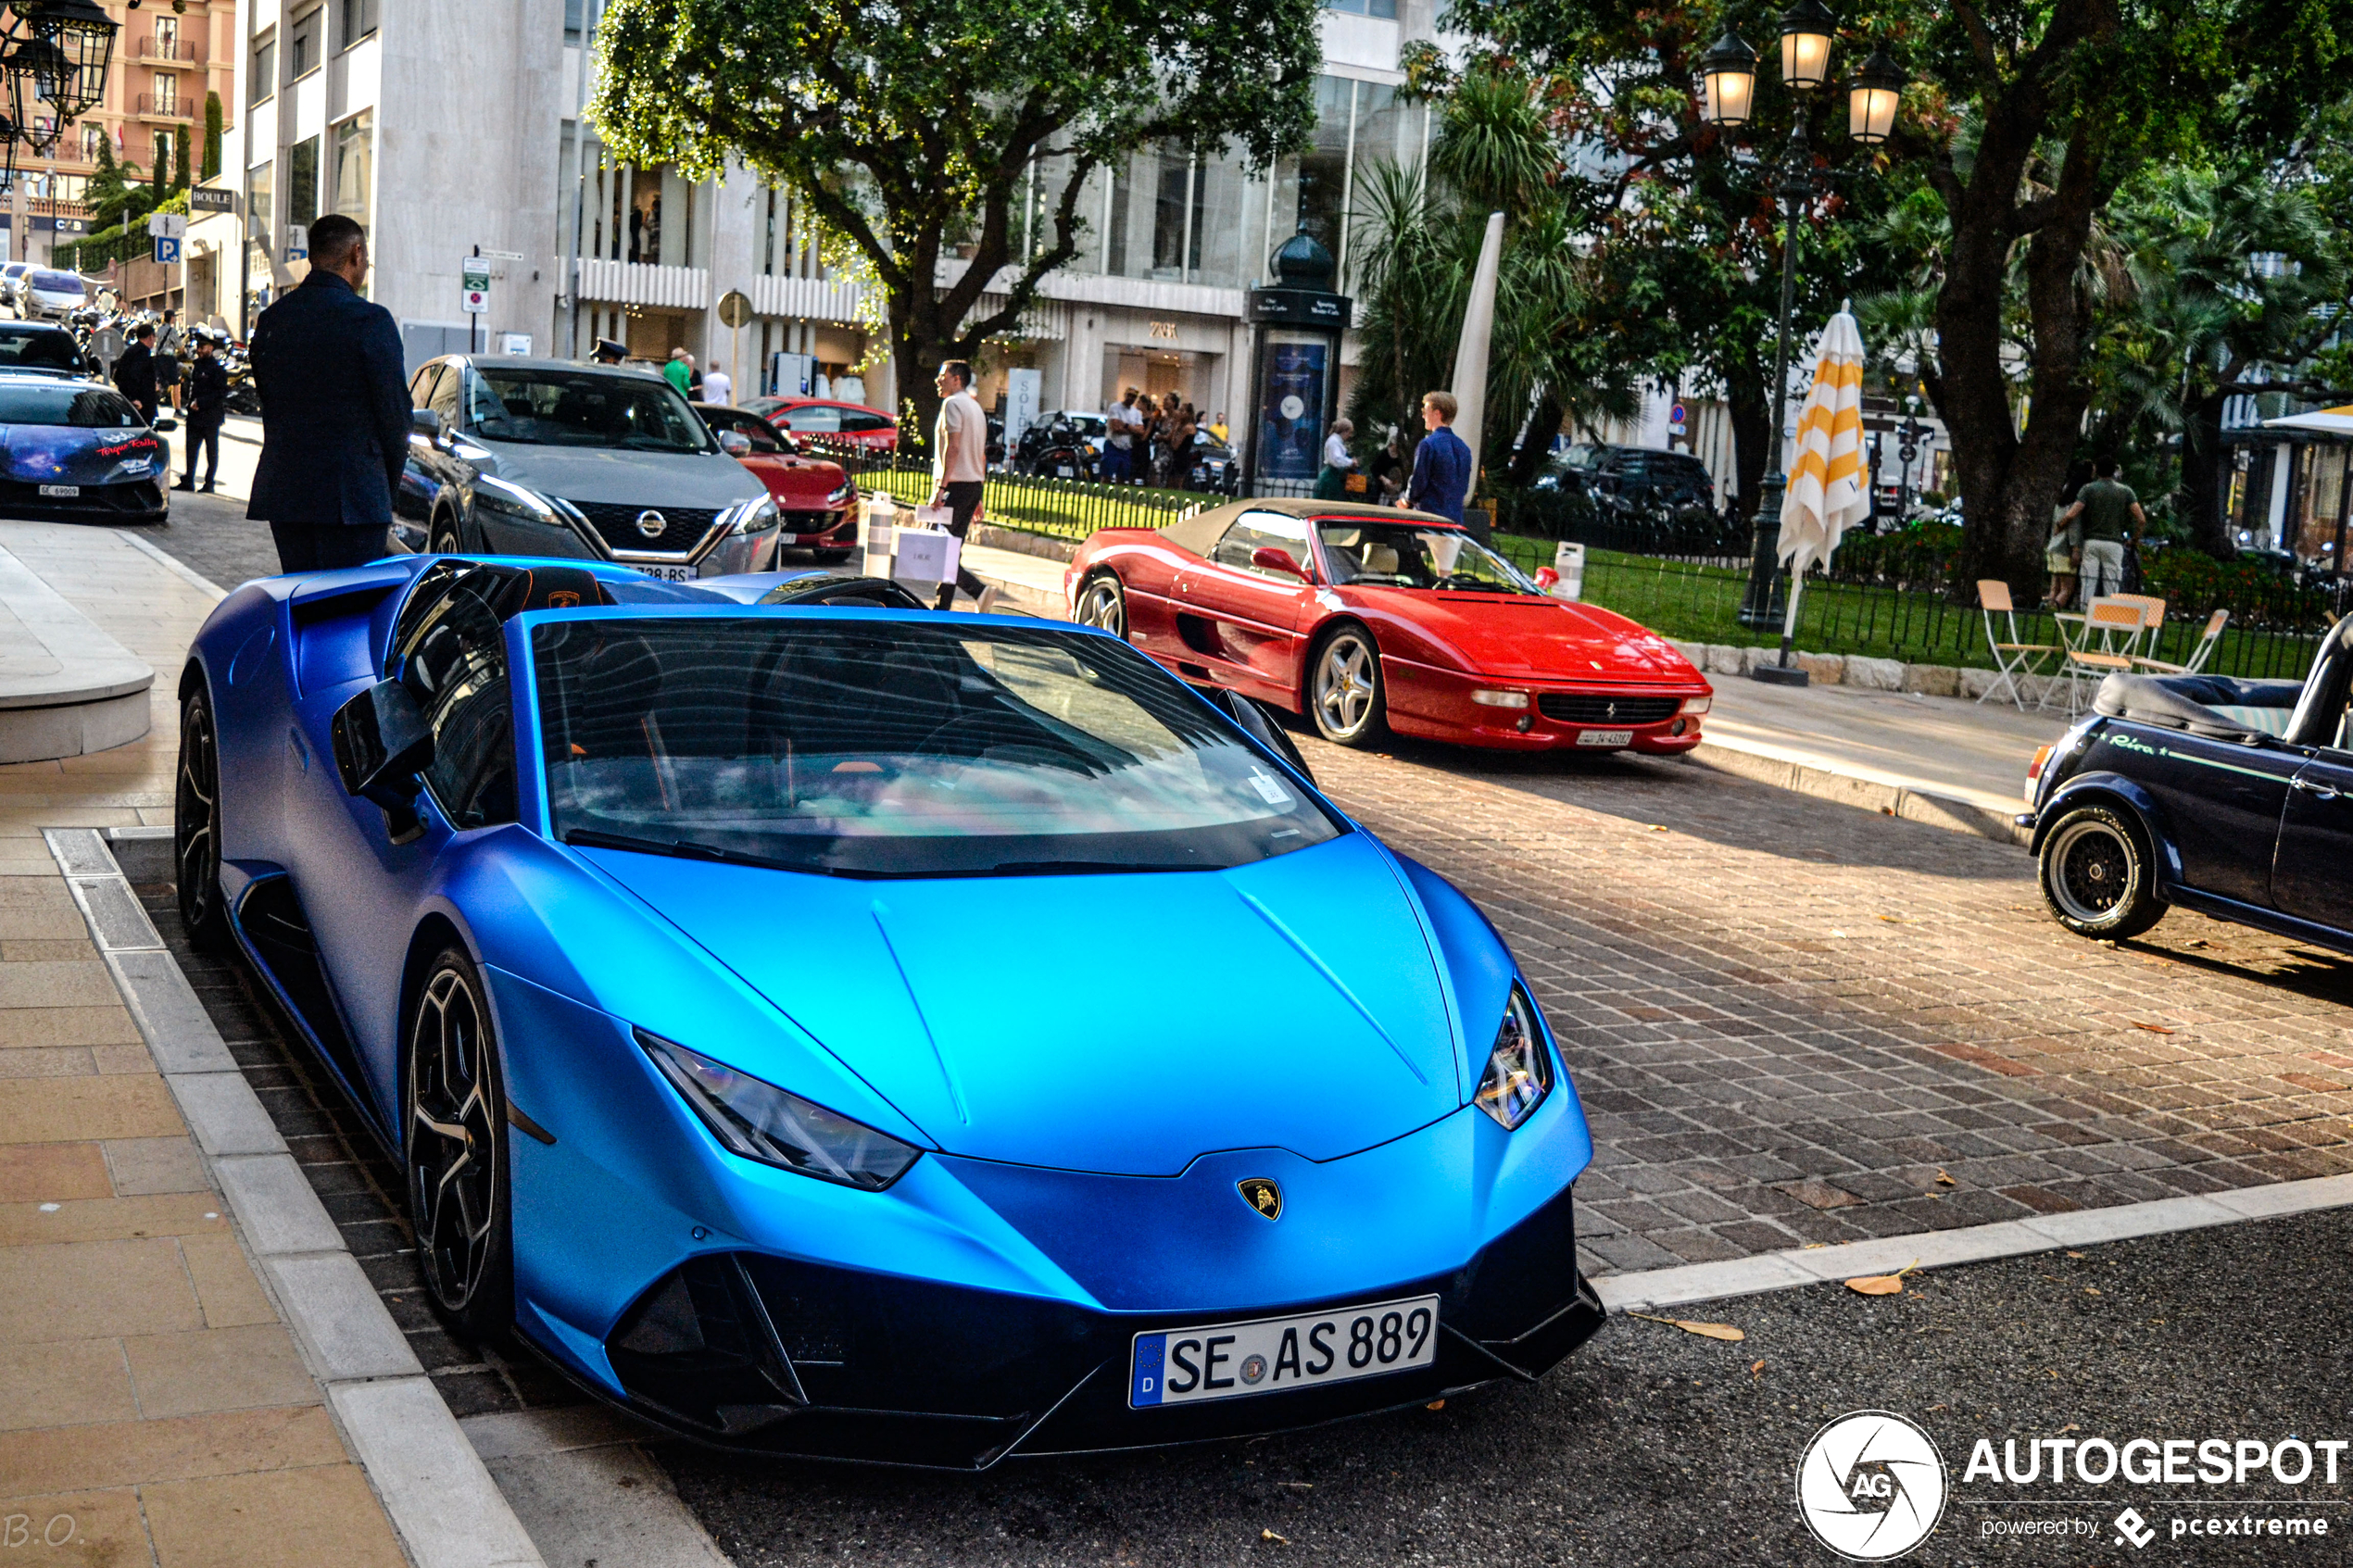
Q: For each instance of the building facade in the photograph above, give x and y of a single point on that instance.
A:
(453, 127)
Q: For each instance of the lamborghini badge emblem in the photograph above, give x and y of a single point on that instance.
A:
(1261, 1194)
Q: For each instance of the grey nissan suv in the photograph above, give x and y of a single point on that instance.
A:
(548, 457)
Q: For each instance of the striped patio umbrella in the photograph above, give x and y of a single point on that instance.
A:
(1826, 494)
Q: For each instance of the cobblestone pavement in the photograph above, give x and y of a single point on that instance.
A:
(211, 535)
(1793, 1021)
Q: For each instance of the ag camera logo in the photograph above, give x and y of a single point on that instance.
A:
(1871, 1486)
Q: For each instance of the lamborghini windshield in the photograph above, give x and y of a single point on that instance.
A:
(1398, 555)
(894, 748)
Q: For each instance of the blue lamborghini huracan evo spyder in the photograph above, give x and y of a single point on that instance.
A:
(828, 1027)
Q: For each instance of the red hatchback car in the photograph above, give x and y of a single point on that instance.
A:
(816, 501)
(870, 428)
(1370, 619)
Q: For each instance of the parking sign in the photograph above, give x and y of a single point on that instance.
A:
(167, 250)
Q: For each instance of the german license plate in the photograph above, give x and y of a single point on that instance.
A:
(62, 490)
(670, 574)
(789, 538)
(1228, 1360)
(1604, 738)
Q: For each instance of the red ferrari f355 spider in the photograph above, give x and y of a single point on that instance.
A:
(1369, 619)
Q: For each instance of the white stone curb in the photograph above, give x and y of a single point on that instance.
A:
(1681, 1285)
(433, 1485)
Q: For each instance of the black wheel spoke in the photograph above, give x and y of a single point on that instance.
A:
(453, 1146)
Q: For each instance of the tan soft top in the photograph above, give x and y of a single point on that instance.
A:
(1199, 531)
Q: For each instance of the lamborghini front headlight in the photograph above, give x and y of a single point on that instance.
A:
(758, 1121)
(1519, 1069)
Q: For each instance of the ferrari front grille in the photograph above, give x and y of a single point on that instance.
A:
(1578, 707)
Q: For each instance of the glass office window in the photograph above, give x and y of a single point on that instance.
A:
(302, 182)
(261, 76)
(1365, 7)
(354, 164)
(1322, 178)
(1176, 216)
(359, 20)
(304, 42)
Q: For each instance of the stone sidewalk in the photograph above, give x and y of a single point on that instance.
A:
(154, 1407)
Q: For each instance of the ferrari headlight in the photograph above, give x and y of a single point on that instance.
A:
(495, 494)
(843, 497)
(1519, 1071)
(760, 1122)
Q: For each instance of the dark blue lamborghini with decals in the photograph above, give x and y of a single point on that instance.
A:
(73, 449)
(2231, 797)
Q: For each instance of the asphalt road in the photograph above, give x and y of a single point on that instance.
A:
(1654, 1445)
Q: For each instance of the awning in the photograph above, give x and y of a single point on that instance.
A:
(2322, 421)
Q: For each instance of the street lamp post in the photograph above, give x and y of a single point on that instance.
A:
(1729, 70)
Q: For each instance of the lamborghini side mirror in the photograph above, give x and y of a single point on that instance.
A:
(1259, 724)
(382, 745)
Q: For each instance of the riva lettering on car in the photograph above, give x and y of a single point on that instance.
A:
(1315, 1339)
(1192, 1373)
(1211, 1361)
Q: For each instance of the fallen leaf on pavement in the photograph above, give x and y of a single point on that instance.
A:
(2091, 1290)
(1882, 1285)
(1435, 1405)
(1706, 1330)
(1270, 1535)
(1756, 1367)
(1944, 1180)
(2196, 941)
(2075, 1254)
(1657, 827)
(2070, 1426)
(2152, 1028)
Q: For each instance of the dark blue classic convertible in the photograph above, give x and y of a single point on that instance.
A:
(2231, 797)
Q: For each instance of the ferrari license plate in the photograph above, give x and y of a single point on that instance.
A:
(670, 574)
(788, 538)
(1228, 1360)
(1604, 738)
(65, 490)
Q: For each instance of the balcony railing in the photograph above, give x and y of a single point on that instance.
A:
(153, 105)
(168, 50)
(633, 283)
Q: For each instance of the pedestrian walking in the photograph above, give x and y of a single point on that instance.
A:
(170, 347)
(1389, 470)
(717, 385)
(207, 405)
(334, 410)
(1119, 443)
(135, 373)
(1333, 483)
(960, 471)
(1443, 463)
(680, 371)
(2110, 517)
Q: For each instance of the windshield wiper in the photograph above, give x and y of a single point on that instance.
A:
(677, 849)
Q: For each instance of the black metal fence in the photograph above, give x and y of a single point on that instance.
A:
(1065, 508)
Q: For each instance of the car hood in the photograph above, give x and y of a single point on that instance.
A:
(1123, 1024)
(805, 481)
(67, 454)
(1539, 638)
(650, 479)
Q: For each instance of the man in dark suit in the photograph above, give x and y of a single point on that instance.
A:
(207, 404)
(135, 373)
(334, 410)
(1442, 462)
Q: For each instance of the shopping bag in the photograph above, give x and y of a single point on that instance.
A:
(1356, 484)
(925, 554)
(933, 516)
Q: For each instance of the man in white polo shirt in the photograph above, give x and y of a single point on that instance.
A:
(958, 469)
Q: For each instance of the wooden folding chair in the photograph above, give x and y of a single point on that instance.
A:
(2012, 658)
(2198, 655)
(2107, 618)
(2152, 619)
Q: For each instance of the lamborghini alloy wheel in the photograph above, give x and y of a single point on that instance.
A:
(1102, 603)
(195, 825)
(456, 1142)
(2095, 875)
(1344, 697)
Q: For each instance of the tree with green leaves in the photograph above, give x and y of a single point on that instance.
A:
(179, 161)
(2025, 118)
(215, 127)
(948, 130)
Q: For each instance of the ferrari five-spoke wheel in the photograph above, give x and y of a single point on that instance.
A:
(2095, 876)
(1102, 603)
(457, 1149)
(1344, 697)
(196, 826)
